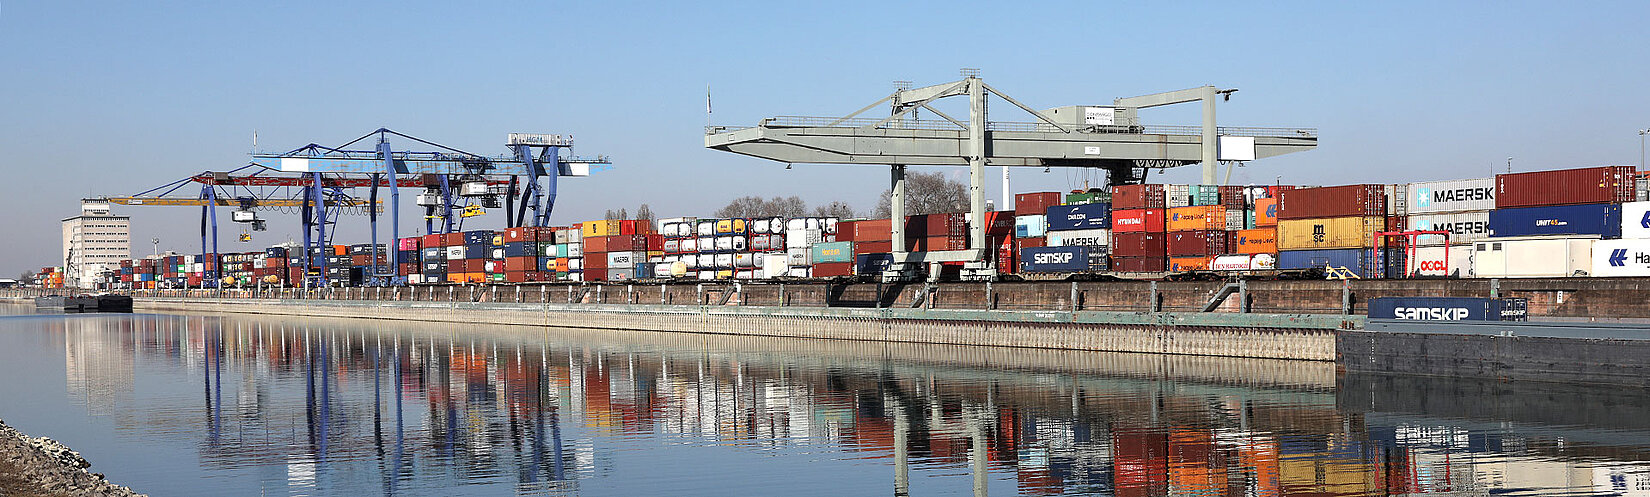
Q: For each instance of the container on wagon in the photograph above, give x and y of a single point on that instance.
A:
(1603, 220)
(1592, 185)
(1079, 217)
(1333, 201)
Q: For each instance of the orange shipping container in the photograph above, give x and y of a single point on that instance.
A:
(1255, 241)
(1197, 217)
(1266, 212)
(1196, 263)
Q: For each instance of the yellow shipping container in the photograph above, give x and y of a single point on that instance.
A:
(600, 228)
(1197, 217)
(1329, 233)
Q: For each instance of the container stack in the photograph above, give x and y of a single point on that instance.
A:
(1460, 207)
(569, 252)
(873, 244)
(1082, 231)
(679, 248)
(616, 250)
(522, 251)
(1139, 235)
(1333, 227)
(270, 270)
(801, 235)
(1545, 223)
(1031, 224)
(1199, 232)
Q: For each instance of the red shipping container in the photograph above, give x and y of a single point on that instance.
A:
(833, 269)
(878, 247)
(595, 245)
(1199, 242)
(595, 263)
(936, 243)
(1025, 243)
(870, 230)
(452, 239)
(654, 242)
(999, 223)
(1232, 196)
(408, 268)
(1137, 221)
(432, 241)
(1031, 204)
(1332, 201)
(1593, 185)
(1138, 244)
(930, 225)
(1137, 197)
(521, 263)
(1006, 258)
(1139, 264)
(626, 243)
(407, 244)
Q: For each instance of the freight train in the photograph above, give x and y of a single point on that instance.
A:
(1575, 222)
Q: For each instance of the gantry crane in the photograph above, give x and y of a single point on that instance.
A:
(301, 177)
(1105, 137)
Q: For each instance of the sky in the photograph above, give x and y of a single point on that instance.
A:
(113, 98)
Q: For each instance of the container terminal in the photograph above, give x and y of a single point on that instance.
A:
(1567, 244)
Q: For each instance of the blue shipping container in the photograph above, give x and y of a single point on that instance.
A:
(1589, 219)
(519, 249)
(1054, 259)
(1356, 260)
(475, 251)
(872, 263)
(478, 237)
(1449, 309)
(1079, 217)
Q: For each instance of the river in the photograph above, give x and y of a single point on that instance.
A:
(250, 405)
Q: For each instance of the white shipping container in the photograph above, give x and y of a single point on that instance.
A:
(707, 275)
(689, 261)
(707, 261)
(744, 274)
(575, 264)
(672, 226)
(1635, 220)
(1083, 238)
(455, 253)
(744, 260)
(724, 244)
(803, 237)
(796, 224)
(1464, 227)
(723, 261)
(1629, 257)
(1234, 262)
(1459, 195)
(1236, 219)
(661, 269)
(1533, 257)
(707, 244)
(799, 272)
(575, 249)
(625, 260)
(575, 276)
(776, 224)
(497, 253)
(830, 226)
(1177, 195)
(688, 245)
(706, 228)
(1430, 261)
(800, 257)
(760, 226)
(776, 264)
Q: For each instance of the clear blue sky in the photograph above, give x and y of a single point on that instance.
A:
(115, 97)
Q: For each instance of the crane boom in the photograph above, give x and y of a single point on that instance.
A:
(227, 202)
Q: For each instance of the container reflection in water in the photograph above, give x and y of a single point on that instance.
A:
(334, 407)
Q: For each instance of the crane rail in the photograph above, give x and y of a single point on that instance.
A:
(1030, 127)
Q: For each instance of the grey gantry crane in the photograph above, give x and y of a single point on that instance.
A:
(1105, 137)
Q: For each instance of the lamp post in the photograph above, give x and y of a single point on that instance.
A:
(1642, 132)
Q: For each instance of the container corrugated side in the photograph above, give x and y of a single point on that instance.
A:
(1533, 257)
(1332, 201)
(1592, 185)
(1329, 233)
(1079, 217)
(1255, 241)
(1463, 227)
(1359, 261)
(1147, 196)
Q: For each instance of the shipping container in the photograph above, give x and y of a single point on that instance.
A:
(1635, 220)
(1198, 243)
(872, 264)
(1139, 244)
(1432, 197)
(1201, 217)
(1361, 262)
(1533, 257)
(1266, 212)
(1092, 238)
(833, 269)
(1079, 217)
(1457, 262)
(1137, 197)
(1255, 241)
(1026, 204)
(1603, 220)
(1032, 226)
(1054, 259)
(1463, 227)
(1449, 308)
(1244, 262)
(1593, 185)
(1181, 264)
(1617, 258)
(1177, 196)
(1137, 221)
(1093, 196)
(1333, 201)
(1153, 264)
(1329, 233)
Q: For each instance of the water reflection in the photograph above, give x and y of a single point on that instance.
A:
(358, 407)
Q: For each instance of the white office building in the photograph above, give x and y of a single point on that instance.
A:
(93, 242)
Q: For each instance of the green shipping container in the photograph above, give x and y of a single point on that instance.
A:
(1088, 198)
(833, 252)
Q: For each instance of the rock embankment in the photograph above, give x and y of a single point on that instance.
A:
(43, 467)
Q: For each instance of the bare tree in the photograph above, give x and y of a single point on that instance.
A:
(752, 206)
(926, 193)
(25, 278)
(837, 209)
(644, 212)
(617, 214)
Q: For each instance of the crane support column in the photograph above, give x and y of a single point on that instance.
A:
(395, 212)
(1211, 140)
(980, 267)
(320, 223)
(896, 224)
(211, 214)
(542, 217)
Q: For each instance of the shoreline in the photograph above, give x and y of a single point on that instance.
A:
(31, 466)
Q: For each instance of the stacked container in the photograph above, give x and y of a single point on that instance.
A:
(1561, 214)
(873, 244)
(1333, 226)
(1083, 229)
(1460, 207)
(1139, 232)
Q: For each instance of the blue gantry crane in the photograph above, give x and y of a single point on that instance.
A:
(530, 171)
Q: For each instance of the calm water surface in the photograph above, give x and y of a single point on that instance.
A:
(205, 405)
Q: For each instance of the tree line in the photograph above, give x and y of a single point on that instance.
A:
(925, 193)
